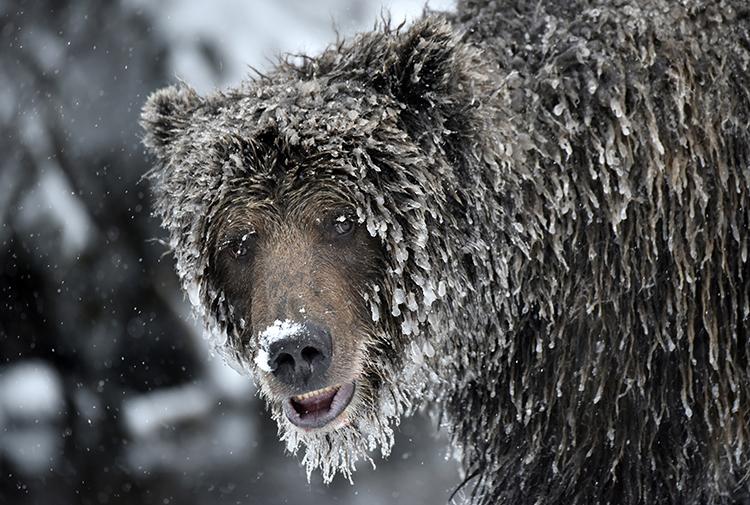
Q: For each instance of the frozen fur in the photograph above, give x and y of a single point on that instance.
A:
(562, 192)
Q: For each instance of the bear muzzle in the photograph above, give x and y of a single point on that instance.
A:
(298, 357)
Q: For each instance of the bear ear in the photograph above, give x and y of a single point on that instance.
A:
(427, 61)
(165, 115)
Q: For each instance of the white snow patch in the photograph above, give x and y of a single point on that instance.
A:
(194, 293)
(146, 413)
(31, 403)
(261, 359)
(226, 437)
(273, 333)
(278, 330)
(30, 390)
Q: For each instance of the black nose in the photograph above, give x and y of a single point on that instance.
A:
(302, 359)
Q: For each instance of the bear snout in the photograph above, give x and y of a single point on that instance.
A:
(298, 356)
(301, 359)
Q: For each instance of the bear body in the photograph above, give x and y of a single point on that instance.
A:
(558, 197)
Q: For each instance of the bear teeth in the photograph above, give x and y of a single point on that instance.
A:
(317, 392)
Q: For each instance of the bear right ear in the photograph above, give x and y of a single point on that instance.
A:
(429, 59)
(165, 115)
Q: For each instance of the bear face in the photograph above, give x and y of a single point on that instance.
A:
(293, 270)
(311, 214)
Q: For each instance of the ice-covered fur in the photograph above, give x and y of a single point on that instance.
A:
(562, 193)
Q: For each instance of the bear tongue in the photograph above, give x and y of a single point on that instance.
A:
(314, 404)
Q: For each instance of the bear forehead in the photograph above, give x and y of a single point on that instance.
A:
(302, 112)
(290, 133)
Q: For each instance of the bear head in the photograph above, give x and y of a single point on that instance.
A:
(312, 215)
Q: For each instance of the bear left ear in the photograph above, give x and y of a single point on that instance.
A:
(165, 115)
(427, 61)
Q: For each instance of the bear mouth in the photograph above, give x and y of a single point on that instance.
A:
(316, 409)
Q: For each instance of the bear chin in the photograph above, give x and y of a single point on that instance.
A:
(338, 446)
(364, 428)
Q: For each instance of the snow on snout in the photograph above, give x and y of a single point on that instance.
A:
(273, 333)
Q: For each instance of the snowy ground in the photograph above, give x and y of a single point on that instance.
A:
(107, 391)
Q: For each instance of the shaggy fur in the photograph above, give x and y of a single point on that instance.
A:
(561, 190)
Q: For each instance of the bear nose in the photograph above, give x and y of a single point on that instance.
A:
(301, 360)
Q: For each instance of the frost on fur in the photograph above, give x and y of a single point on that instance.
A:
(561, 191)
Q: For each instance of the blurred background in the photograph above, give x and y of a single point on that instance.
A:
(108, 393)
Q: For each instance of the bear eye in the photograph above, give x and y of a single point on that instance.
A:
(343, 225)
(242, 246)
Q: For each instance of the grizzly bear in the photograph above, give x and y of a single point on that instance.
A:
(532, 215)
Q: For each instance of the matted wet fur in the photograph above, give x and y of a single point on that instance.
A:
(559, 198)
